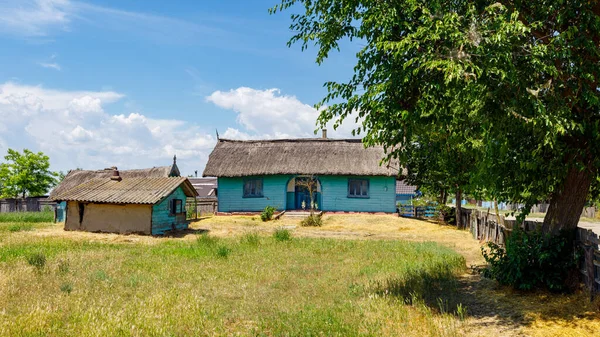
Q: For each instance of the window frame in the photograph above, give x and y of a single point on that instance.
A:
(256, 195)
(173, 206)
(360, 180)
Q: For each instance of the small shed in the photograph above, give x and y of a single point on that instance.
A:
(127, 205)
(78, 176)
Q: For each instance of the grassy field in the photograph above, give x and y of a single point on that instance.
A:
(358, 275)
(29, 217)
(249, 285)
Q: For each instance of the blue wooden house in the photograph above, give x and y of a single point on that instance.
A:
(254, 174)
(127, 205)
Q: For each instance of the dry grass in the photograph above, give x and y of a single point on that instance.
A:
(188, 286)
(492, 310)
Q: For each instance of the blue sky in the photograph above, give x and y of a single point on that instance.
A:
(130, 83)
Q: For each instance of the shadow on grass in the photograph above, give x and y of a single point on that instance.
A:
(185, 232)
(488, 303)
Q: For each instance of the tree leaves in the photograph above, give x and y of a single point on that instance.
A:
(25, 174)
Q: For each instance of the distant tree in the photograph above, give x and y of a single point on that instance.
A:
(26, 174)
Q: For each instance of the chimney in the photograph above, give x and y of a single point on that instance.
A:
(324, 133)
(115, 174)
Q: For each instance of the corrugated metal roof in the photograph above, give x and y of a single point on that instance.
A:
(126, 191)
(403, 188)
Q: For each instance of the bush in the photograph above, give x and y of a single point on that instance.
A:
(533, 259)
(447, 214)
(312, 221)
(267, 213)
(282, 234)
(38, 260)
(223, 251)
(66, 288)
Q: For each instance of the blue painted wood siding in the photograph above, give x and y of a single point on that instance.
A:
(231, 194)
(61, 210)
(334, 196)
(382, 195)
(162, 220)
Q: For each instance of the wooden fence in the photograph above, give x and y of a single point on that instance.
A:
(26, 205)
(202, 206)
(488, 227)
(417, 211)
(590, 266)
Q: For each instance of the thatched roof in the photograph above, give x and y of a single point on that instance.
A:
(77, 177)
(140, 190)
(318, 156)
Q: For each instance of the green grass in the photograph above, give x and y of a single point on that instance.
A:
(252, 286)
(20, 217)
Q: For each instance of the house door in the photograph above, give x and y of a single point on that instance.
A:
(302, 195)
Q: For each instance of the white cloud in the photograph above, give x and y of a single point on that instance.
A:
(73, 128)
(269, 114)
(54, 66)
(33, 18)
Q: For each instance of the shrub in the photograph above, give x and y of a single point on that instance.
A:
(38, 260)
(223, 251)
(267, 213)
(63, 266)
(447, 214)
(282, 234)
(533, 259)
(66, 288)
(312, 220)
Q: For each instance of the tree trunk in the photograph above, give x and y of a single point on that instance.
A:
(458, 208)
(567, 203)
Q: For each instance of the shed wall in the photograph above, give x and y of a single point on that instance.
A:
(111, 218)
(163, 220)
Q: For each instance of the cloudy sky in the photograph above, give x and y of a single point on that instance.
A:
(130, 83)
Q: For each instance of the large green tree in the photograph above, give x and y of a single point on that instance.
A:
(25, 174)
(521, 77)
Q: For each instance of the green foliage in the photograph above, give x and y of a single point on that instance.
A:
(20, 227)
(532, 259)
(267, 213)
(63, 266)
(312, 220)
(31, 217)
(25, 174)
(207, 240)
(282, 234)
(482, 96)
(37, 260)
(66, 288)
(447, 214)
(223, 251)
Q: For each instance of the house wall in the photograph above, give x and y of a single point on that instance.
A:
(382, 195)
(333, 197)
(231, 194)
(110, 218)
(163, 220)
